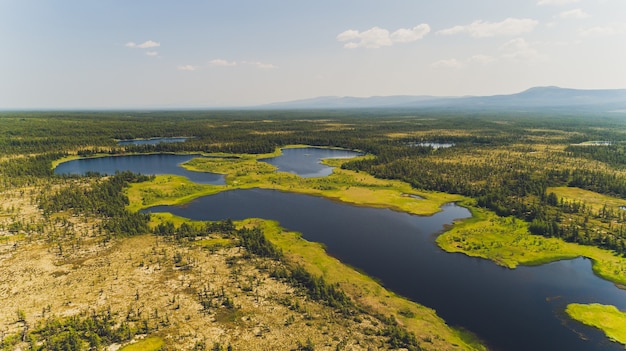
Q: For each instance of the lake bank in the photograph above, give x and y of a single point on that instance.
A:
(362, 189)
(398, 249)
(507, 242)
(606, 318)
(354, 188)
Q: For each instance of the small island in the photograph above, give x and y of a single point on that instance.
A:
(606, 318)
(513, 206)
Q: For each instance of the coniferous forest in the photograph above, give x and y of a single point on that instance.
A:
(506, 162)
(527, 168)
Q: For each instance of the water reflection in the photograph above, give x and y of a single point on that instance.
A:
(154, 164)
(306, 162)
(515, 310)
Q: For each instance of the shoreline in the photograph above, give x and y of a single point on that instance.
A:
(364, 190)
(511, 236)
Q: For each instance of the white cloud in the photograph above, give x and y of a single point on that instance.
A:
(145, 45)
(350, 34)
(152, 53)
(555, 2)
(377, 37)
(403, 35)
(372, 38)
(574, 14)
(448, 63)
(603, 31)
(520, 50)
(482, 29)
(221, 62)
(149, 44)
(186, 68)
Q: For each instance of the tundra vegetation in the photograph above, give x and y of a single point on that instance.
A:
(81, 268)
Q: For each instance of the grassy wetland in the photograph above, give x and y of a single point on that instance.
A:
(607, 318)
(72, 257)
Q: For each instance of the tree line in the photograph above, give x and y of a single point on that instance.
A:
(103, 198)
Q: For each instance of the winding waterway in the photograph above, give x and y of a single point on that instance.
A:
(514, 310)
(519, 309)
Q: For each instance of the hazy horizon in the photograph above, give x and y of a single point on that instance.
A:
(242, 53)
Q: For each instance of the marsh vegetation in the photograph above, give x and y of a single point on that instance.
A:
(536, 193)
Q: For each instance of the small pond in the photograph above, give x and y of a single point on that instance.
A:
(512, 310)
(151, 141)
(153, 164)
(306, 162)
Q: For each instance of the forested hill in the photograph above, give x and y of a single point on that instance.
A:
(532, 99)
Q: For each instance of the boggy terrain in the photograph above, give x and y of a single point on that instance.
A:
(69, 282)
(538, 191)
(205, 294)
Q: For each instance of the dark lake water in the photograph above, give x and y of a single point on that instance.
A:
(514, 310)
(153, 164)
(151, 141)
(306, 162)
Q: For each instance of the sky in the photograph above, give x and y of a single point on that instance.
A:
(76, 54)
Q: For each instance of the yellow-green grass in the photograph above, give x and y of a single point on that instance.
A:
(508, 242)
(606, 318)
(246, 172)
(208, 243)
(147, 344)
(503, 240)
(368, 293)
(5, 239)
(365, 291)
(343, 185)
(55, 163)
(590, 198)
(167, 190)
(157, 218)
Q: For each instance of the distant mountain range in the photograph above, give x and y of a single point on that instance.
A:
(533, 99)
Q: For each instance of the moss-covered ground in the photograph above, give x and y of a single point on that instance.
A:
(504, 240)
(508, 242)
(606, 318)
(147, 344)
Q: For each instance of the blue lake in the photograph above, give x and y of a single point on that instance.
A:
(515, 310)
(153, 164)
(306, 162)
